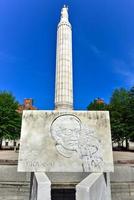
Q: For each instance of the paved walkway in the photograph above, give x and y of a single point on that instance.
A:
(8, 155)
(118, 156)
(123, 157)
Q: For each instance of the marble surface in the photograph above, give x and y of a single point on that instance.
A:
(65, 141)
(93, 187)
(64, 75)
(41, 187)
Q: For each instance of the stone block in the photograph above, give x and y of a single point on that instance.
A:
(65, 141)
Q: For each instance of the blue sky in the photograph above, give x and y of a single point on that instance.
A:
(103, 48)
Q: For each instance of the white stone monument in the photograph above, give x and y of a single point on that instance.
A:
(65, 140)
(64, 75)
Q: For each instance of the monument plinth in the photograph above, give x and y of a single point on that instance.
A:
(65, 141)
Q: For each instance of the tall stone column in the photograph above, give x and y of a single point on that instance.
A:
(64, 77)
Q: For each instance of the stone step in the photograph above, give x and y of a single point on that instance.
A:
(14, 191)
(17, 189)
(122, 191)
(16, 197)
(122, 198)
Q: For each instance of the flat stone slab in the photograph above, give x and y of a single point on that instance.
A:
(65, 141)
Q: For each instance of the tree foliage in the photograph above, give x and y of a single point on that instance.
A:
(10, 119)
(121, 107)
(130, 120)
(95, 105)
(119, 115)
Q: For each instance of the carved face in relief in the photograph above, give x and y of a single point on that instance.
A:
(71, 136)
(65, 129)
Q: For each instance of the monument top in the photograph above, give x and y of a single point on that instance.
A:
(64, 13)
(65, 6)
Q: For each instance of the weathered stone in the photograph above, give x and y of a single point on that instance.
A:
(61, 141)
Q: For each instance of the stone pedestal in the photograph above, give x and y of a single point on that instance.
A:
(41, 187)
(95, 186)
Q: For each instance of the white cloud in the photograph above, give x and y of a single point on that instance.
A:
(96, 51)
(125, 69)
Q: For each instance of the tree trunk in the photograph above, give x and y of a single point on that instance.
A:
(0, 143)
(15, 148)
(119, 144)
(127, 144)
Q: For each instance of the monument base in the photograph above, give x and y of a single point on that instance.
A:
(96, 186)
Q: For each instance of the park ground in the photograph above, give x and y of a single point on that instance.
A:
(120, 157)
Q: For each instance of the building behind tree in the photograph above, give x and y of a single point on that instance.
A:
(27, 105)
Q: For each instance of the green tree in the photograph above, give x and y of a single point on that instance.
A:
(130, 117)
(10, 119)
(97, 104)
(118, 107)
(121, 109)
